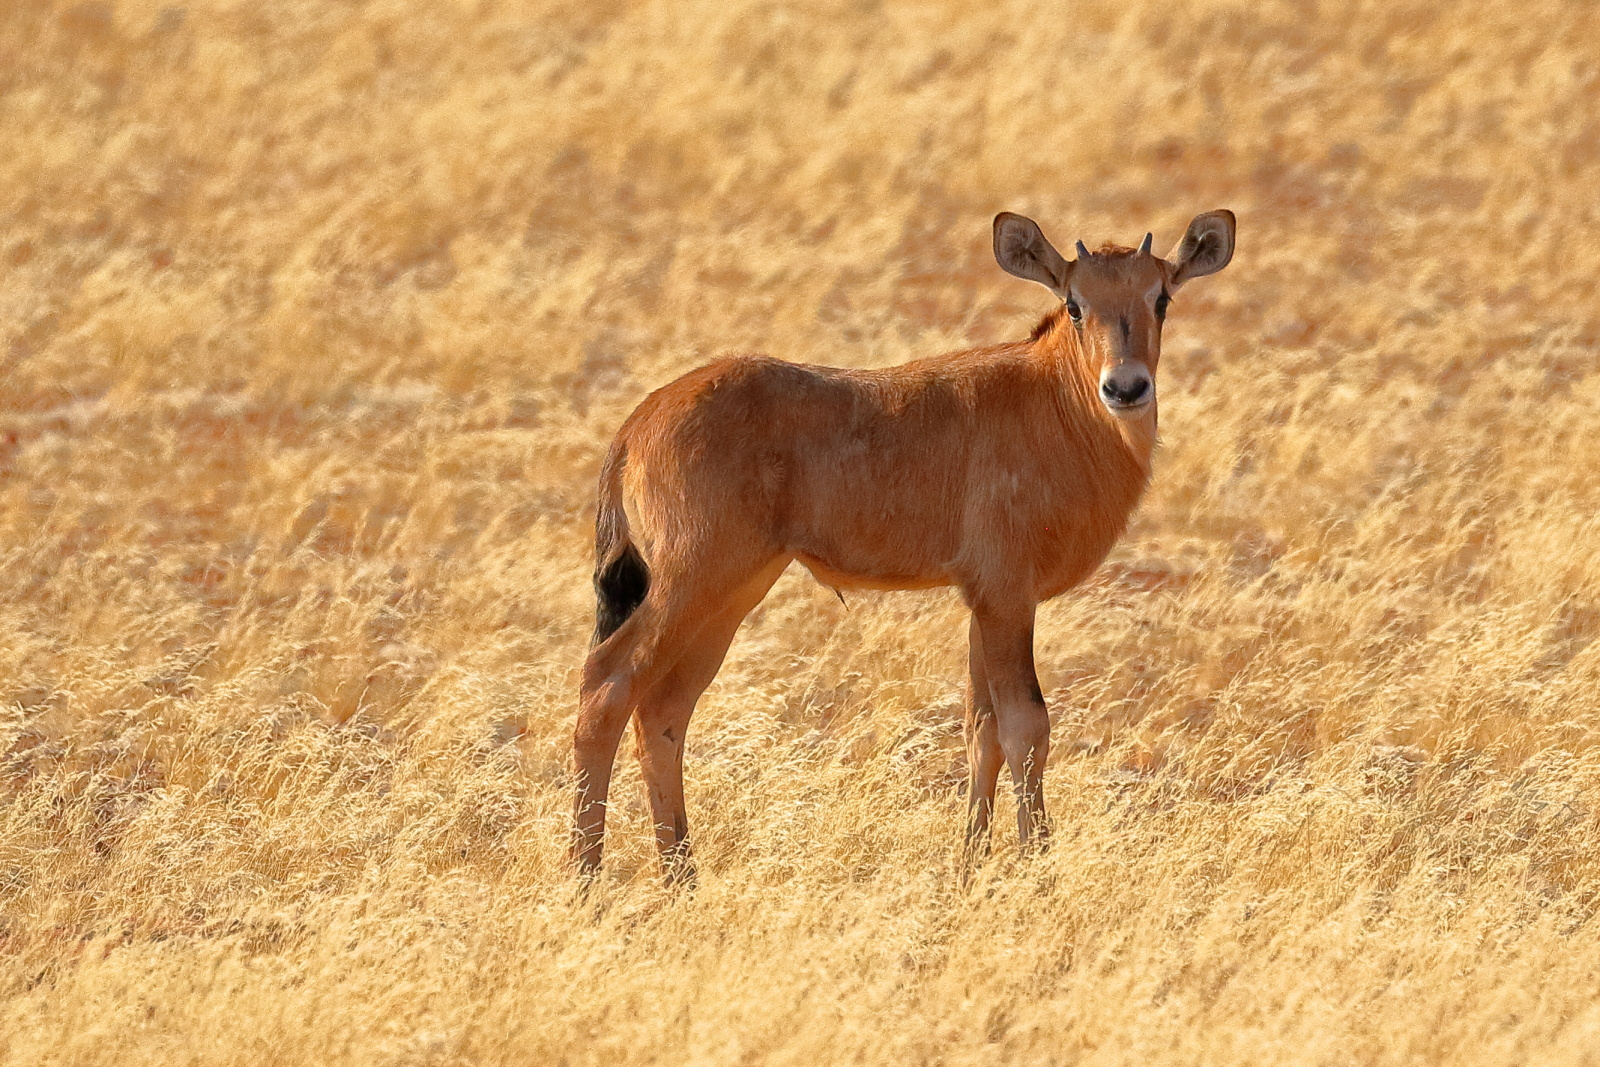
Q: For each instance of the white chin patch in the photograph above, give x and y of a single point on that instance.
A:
(1130, 411)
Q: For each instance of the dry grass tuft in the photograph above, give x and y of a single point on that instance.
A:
(315, 320)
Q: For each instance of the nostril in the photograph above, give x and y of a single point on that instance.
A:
(1130, 392)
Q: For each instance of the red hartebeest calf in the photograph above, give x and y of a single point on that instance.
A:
(1007, 472)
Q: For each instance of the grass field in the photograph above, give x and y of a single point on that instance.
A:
(316, 319)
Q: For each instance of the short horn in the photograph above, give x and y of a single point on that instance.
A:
(1083, 253)
(1144, 246)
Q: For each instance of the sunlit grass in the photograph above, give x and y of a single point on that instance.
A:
(315, 321)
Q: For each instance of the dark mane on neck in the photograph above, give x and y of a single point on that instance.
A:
(1048, 323)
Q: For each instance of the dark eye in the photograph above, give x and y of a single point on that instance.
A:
(1075, 311)
(1161, 305)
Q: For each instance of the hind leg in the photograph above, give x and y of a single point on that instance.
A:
(611, 679)
(662, 719)
(629, 666)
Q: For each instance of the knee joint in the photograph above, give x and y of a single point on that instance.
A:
(1023, 738)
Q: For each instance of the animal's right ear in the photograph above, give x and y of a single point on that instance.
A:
(1020, 249)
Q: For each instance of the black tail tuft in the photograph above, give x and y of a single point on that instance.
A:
(619, 588)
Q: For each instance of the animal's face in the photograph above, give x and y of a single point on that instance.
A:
(1117, 298)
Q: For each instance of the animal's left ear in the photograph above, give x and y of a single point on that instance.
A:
(1206, 248)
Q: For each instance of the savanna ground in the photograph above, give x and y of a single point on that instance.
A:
(315, 320)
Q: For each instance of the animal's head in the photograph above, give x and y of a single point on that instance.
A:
(1116, 298)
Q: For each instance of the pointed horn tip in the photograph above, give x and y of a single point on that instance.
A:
(1083, 253)
(1144, 246)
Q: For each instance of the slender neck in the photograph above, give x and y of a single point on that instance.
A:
(1061, 349)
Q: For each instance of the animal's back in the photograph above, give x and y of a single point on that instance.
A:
(890, 478)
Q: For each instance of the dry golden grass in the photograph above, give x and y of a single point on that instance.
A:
(315, 319)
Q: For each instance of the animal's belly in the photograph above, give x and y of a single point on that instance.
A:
(837, 577)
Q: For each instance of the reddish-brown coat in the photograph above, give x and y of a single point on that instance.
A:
(992, 466)
(1008, 472)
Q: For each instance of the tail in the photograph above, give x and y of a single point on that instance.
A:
(621, 577)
